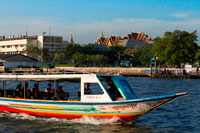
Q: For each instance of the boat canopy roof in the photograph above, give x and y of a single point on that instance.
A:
(47, 76)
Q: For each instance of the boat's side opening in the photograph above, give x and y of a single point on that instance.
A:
(48, 90)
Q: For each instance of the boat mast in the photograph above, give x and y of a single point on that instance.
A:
(24, 89)
(55, 88)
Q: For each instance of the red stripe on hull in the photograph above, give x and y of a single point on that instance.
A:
(68, 116)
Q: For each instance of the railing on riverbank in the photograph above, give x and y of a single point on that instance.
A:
(137, 72)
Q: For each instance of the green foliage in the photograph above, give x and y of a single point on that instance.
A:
(78, 58)
(45, 54)
(197, 56)
(59, 57)
(46, 66)
(133, 55)
(145, 55)
(33, 52)
(98, 59)
(176, 47)
(115, 53)
(65, 65)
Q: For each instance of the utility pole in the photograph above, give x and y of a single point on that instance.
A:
(50, 39)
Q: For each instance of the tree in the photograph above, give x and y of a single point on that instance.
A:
(45, 54)
(176, 47)
(98, 59)
(133, 55)
(115, 53)
(197, 56)
(79, 59)
(33, 52)
(145, 55)
(60, 58)
(69, 50)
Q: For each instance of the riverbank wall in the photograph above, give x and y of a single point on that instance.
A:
(140, 72)
(107, 70)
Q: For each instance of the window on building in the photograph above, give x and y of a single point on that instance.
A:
(58, 39)
(46, 39)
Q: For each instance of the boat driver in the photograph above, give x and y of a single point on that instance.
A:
(87, 89)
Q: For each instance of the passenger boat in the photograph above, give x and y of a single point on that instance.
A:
(110, 96)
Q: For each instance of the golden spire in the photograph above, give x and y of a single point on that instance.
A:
(101, 35)
(71, 41)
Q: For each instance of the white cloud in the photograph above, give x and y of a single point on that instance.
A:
(181, 15)
(88, 33)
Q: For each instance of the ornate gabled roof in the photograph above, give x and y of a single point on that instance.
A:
(117, 40)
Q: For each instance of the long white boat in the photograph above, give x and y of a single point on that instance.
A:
(108, 96)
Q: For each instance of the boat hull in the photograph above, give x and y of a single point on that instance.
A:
(124, 110)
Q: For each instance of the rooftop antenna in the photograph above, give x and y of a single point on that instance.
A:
(50, 38)
(26, 30)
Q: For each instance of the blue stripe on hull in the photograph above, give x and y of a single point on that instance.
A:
(83, 103)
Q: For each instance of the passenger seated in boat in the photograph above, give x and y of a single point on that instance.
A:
(48, 89)
(49, 92)
(87, 89)
(115, 95)
(60, 90)
(60, 93)
(35, 91)
(19, 91)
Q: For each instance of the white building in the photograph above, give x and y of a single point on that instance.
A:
(17, 45)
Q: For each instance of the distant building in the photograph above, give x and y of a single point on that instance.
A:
(17, 45)
(8, 61)
(130, 40)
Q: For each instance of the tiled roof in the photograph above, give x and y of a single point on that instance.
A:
(7, 56)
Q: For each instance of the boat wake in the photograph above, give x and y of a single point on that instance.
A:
(84, 120)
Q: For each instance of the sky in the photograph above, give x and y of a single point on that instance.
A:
(84, 18)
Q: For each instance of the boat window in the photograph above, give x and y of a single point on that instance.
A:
(111, 88)
(92, 89)
(126, 89)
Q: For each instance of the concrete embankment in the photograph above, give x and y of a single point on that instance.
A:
(108, 70)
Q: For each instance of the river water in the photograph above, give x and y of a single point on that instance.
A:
(181, 115)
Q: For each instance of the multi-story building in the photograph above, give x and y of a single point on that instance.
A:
(18, 45)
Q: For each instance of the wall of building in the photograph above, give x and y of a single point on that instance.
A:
(16, 46)
(15, 64)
